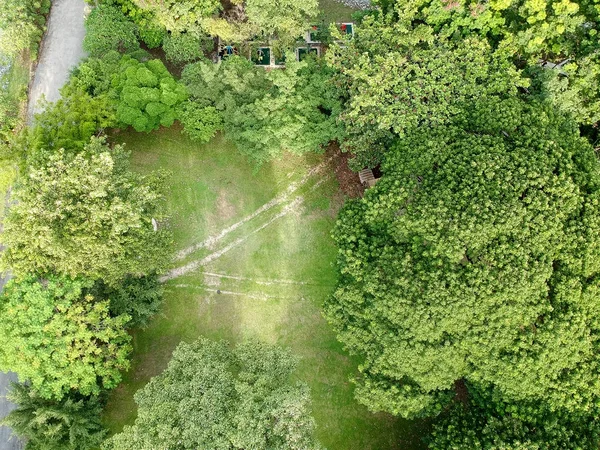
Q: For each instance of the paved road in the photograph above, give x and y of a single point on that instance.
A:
(61, 51)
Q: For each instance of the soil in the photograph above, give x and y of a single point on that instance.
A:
(348, 180)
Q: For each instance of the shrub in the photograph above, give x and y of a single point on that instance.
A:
(182, 48)
(200, 123)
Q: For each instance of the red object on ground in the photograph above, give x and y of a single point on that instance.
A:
(343, 27)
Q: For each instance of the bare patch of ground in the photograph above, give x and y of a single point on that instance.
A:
(348, 180)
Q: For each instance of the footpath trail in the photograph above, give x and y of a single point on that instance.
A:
(60, 52)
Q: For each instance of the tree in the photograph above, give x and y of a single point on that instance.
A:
(137, 297)
(21, 22)
(284, 19)
(526, 30)
(485, 422)
(213, 396)
(180, 16)
(84, 213)
(59, 339)
(72, 423)
(398, 79)
(475, 257)
(148, 95)
(265, 114)
(183, 48)
(107, 29)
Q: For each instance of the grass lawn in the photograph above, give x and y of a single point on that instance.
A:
(273, 270)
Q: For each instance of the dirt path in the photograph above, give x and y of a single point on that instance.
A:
(61, 51)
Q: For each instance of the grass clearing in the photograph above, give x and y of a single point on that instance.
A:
(272, 282)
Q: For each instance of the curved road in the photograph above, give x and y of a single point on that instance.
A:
(61, 51)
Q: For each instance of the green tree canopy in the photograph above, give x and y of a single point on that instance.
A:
(398, 79)
(59, 339)
(564, 31)
(475, 257)
(107, 29)
(265, 114)
(72, 423)
(213, 396)
(86, 214)
(485, 422)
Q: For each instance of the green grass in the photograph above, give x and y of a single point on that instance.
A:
(212, 187)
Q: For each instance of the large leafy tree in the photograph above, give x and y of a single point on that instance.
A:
(398, 78)
(213, 396)
(59, 339)
(84, 213)
(72, 423)
(476, 257)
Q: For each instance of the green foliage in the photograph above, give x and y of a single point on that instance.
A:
(148, 95)
(285, 19)
(72, 423)
(397, 81)
(486, 423)
(86, 214)
(266, 114)
(72, 120)
(185, 47)
(59, 339)
(22, 24)
(200, 123)
(149, 30)
(475, 257)
(107, 28)
(212, 396)
(179, 16)
(528, 30)
(137, 297)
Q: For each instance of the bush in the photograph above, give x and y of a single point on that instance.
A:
(148, 95)
(200, 123)
(184, 47)
(107, 28)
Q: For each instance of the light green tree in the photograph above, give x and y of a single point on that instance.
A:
(59, 339)
(213, 396)
(476, 257)
(21, 22)
(84, 213)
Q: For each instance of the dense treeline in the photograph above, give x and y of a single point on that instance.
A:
(468, 276)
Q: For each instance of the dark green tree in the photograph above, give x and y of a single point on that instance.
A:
(59, 339)
(107, 29)
(475, 257)
(483, 422)
(213, 396)
(72, 423)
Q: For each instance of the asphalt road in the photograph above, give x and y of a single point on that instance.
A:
(61, 51)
